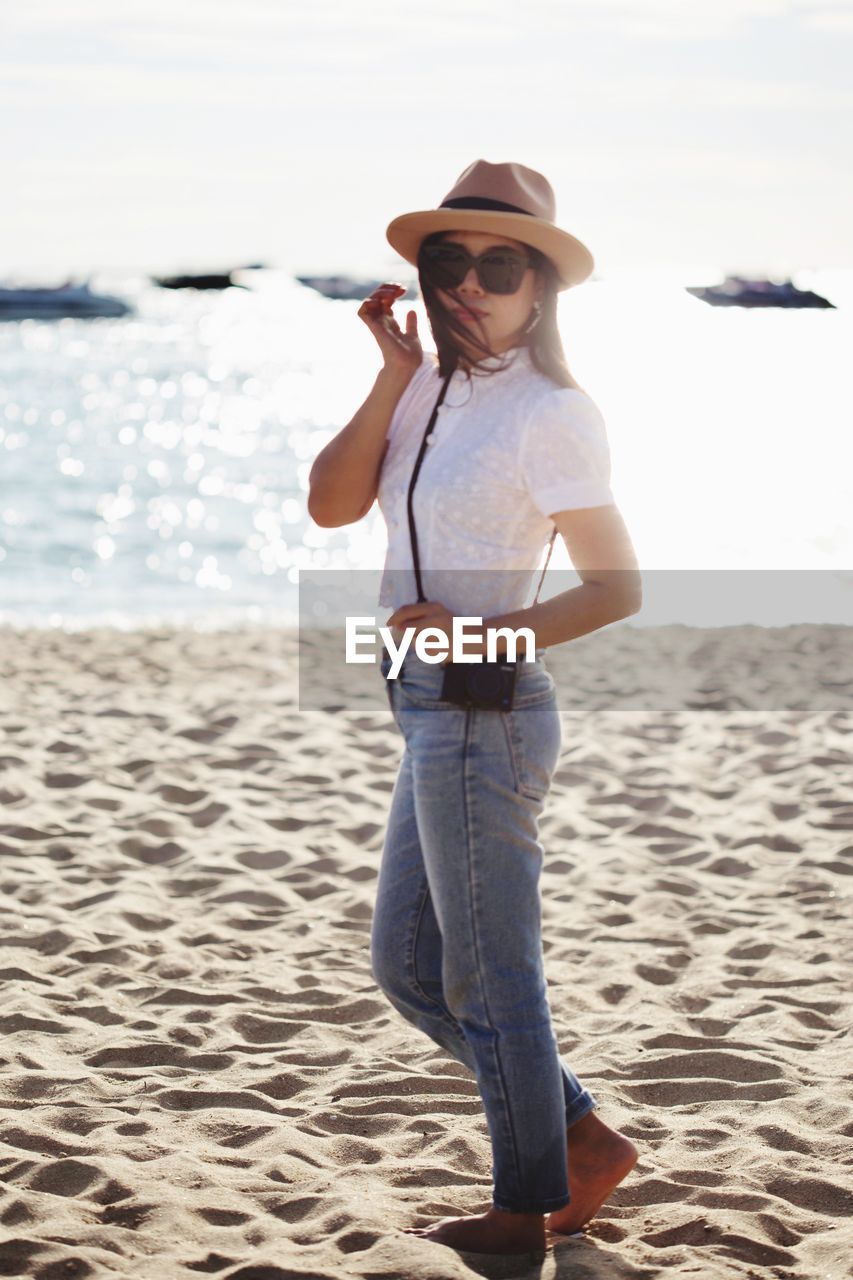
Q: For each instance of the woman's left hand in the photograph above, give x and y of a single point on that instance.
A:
(420, 615)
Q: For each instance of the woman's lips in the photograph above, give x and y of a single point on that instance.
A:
(472, 313)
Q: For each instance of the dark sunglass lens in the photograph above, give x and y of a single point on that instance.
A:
(445, 265)
(502, 272)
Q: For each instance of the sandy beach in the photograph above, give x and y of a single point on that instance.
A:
(199, 1075)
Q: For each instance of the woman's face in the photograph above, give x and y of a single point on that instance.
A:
(502, 315)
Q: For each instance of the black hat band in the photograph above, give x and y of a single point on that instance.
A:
(483, 202)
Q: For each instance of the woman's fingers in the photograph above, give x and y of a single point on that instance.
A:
(389, 291)
(373, 309)
(376, 313)
(383, 324)
(383, 297)
(391, 288)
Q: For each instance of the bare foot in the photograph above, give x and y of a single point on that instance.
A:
(492, 1232)
(599, 1158)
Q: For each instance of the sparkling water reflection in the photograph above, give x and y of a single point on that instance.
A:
(155, 467)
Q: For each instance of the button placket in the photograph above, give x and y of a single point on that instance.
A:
(440, 418)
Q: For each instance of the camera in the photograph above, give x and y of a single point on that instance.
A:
(490, 685)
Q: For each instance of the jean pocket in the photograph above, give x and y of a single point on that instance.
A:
(534, 737)
(421, 684)
(535, 684)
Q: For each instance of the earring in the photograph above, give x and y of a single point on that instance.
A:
(537, 316)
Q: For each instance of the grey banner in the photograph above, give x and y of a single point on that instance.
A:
(715, 640)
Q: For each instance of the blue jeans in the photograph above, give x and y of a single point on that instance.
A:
(456, 934)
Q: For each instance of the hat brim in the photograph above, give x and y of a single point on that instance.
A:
(573, 260)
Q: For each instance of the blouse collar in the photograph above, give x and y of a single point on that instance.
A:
(511, 358)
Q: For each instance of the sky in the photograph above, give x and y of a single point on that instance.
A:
(207, 134)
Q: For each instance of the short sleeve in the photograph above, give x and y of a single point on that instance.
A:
(423, 375)
(565, 456)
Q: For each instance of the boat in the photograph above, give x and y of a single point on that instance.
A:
(740, 291)
(212, 280)
(346, 289)
(54, 302)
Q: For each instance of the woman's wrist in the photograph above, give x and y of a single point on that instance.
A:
(394, 379)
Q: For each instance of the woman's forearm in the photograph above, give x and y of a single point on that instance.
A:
(344, 477)
(570, 614)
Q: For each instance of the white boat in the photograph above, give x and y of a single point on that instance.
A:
(738, 291)
(46, 303)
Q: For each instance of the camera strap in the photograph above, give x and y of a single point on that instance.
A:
(416, 471)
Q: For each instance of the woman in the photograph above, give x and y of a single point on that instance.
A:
(518, 450)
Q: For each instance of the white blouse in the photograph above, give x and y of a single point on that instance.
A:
(508, 449)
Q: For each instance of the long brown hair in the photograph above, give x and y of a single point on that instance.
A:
(544, 342)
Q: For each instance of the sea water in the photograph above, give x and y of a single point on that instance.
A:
(154, 468)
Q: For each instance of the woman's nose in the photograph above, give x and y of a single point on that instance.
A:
(472, 281)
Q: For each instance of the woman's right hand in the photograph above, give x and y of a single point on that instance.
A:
(401, 350)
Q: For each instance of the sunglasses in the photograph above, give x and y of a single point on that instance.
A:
(499, 270)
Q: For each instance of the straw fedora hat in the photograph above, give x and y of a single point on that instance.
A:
(505, 199)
